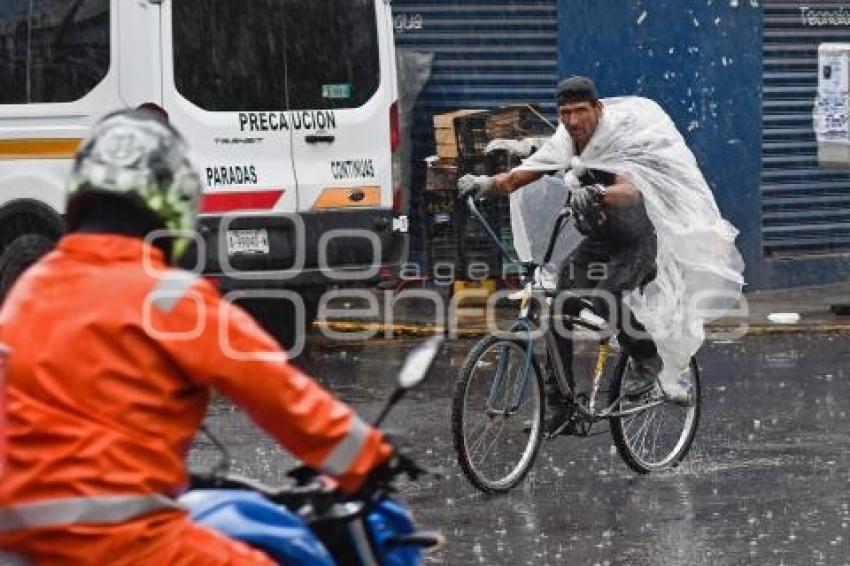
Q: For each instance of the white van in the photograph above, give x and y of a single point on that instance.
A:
(290, 107)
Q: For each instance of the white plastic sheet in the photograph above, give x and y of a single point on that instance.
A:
(533, 213)
(699, 267)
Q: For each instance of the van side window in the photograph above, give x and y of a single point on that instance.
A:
(295, 54)
(53, 50)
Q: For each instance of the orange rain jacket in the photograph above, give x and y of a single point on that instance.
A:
(112, 359)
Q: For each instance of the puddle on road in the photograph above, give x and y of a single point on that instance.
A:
(765, 483)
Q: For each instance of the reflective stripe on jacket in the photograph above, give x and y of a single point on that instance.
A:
(113, 356)
(87, 510)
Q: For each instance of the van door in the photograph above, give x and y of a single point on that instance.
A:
(224, 88)
(341, 89)
(58, 76)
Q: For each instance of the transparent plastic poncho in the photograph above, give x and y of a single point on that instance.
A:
(699, 267)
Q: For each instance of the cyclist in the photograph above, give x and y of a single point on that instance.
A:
(112, 357)
(618, 253)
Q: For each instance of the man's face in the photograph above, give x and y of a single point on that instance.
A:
(580, 119)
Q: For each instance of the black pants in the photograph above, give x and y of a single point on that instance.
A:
(606, 271)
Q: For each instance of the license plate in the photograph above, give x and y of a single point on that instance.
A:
(247, 241)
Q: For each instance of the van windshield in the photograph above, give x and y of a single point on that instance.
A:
(254, 55)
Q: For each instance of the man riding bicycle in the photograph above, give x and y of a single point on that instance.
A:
(112, 356)
(620, 171)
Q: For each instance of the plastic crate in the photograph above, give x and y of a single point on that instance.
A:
(474, 243)
(517, 121)
(471, 132)
(501, 161)
(474, 267)
(440, 213)
(441, 176)
(442, 251)
(476, 165)
(435, 202)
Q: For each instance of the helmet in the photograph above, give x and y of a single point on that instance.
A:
(133, 153)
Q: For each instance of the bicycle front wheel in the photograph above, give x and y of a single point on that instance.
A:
(497, 413)
(658, 437)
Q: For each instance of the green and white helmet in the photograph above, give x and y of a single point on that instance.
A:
(131, 152)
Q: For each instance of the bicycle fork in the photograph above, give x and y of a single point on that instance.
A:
(512, 399)
(598, 372)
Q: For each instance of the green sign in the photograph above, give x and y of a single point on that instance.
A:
(337, 91)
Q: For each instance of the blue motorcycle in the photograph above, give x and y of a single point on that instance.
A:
(311, 522)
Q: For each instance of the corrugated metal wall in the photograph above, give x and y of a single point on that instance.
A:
(806, 209)
(487, 54)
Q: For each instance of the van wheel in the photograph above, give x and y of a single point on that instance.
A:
(21, 253)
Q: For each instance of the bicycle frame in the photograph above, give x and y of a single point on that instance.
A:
(533, 288)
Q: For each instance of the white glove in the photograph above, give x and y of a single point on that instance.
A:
(476, 186)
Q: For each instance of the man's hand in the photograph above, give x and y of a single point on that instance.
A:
(476, 186)
(401, 461)
(586, 200)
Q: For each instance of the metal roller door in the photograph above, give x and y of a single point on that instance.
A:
(805, 208)
(486, 55)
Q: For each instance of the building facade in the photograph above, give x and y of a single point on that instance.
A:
(739, 78)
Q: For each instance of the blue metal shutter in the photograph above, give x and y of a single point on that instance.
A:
(486, 55)
(806, 208)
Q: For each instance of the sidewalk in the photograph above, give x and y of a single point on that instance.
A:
(407, 315)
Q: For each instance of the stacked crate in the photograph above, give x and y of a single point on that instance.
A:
(517, 122)
(446, 135)
(440, 212)
(475, 247)
(453, 234)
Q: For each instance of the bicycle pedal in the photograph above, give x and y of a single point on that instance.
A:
(568, 428)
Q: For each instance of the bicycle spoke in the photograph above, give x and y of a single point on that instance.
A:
(658, 435)
(480, 440)
(644, 430)
(640, 430)
(656, 439)
(495, 440)
(482, 427)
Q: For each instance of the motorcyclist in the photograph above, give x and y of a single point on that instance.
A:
(618, 252)
(113, 354)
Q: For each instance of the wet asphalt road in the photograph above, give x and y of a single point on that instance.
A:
(766, 481)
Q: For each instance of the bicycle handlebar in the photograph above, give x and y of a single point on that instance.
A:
(563, 216)
(470, 203)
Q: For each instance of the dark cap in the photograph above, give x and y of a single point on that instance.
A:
(576, 89)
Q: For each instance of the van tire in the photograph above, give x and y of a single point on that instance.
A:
(20, 254)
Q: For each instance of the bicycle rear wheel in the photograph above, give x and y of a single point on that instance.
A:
(497, 413)
(657, 438)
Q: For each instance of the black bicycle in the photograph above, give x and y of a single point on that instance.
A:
(498, 406)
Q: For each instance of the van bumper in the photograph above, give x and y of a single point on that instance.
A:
(359, 247)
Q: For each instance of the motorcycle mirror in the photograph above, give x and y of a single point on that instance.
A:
(413, 372)
(418, 362)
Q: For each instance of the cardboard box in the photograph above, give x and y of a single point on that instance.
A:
(447, 151)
